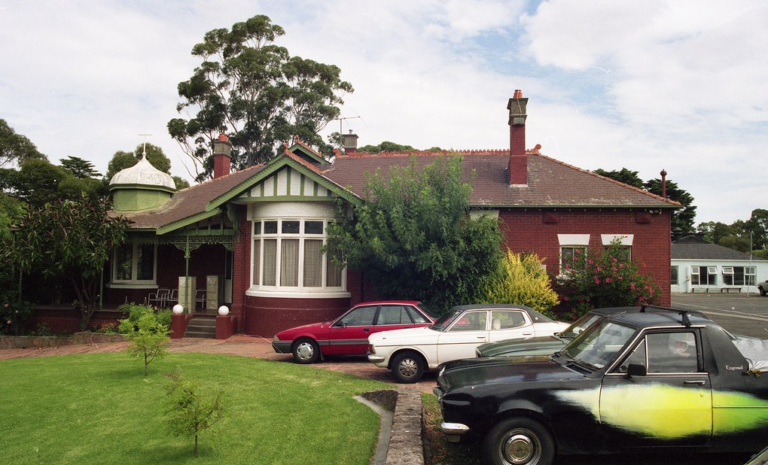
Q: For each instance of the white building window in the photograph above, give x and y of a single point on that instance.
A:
(739, 275)
(571, 246)
(135, 262)
(704, 275)
(288, 256)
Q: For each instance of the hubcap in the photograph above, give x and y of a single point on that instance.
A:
(408, 367)
(520, 449)
(305, 351)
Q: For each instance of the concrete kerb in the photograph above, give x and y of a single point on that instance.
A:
(400, 435)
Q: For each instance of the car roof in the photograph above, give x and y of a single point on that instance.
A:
(651, 316)
(388, 302)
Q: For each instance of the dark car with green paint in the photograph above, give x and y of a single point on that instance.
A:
(548, 344)
(654, 379)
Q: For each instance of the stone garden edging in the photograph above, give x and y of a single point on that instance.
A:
(86, 337)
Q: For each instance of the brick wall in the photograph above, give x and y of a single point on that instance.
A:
(537, 231)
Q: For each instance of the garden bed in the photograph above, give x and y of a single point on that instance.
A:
(86, 337)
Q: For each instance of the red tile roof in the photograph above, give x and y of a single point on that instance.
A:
(551, 183)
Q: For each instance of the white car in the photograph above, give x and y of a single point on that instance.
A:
(411, 352)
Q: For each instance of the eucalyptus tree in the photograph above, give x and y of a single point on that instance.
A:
(256, 93)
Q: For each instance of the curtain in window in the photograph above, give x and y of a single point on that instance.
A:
(256, 257)
(313, 263)
(332, 272)
(289, 262)
(270, 261)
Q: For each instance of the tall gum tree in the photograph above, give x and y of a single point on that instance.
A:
(256, 93)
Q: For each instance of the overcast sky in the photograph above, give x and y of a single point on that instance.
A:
(645, 85)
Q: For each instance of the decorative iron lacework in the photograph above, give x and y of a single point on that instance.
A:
(190, 243)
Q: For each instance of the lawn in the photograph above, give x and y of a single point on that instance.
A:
(99, 408)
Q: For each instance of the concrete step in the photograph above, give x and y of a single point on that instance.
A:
(201, 328)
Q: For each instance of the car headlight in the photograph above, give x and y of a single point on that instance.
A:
(440, 374)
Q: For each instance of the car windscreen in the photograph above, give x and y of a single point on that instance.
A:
(445, 321)
(599, 344)
(579, 326)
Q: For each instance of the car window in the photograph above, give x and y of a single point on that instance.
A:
(361, 316)
(599, 344)
(502, 319)
(637, 357)
(471, 321)
(393, 315)
(672, 352)
(416, 316)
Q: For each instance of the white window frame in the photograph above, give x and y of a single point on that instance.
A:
(134, 243)
(571, 241)
(279, 289)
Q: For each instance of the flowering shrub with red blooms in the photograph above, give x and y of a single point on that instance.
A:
(14, 318)
(603, 278)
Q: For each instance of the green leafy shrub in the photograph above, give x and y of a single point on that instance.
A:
(15, 317)
(148, 338)
(521, 279)
(605, 277)
(136, 311)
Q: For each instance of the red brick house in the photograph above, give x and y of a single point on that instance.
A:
(252, 239)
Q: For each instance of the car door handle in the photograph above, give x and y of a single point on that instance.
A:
(698, 383)
(481, 337)
(366, 329)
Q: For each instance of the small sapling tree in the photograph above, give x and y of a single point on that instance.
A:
(148, 336)
(190, 410)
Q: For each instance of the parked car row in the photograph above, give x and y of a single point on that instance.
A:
(616, 381)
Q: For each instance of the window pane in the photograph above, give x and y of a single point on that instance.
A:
(289, 262)
(675, 271)
(507, 320)
(291, 227)
(332, 271)
(257, 228)
(362, 316)
(256, 261)
(392, 315)
(313, 227)
(313, 263)
(146, 262)
(270, 227)
(124, 262)
(672, 353)
(270, 261)
(416, 316)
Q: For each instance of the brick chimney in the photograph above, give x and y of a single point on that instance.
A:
(518, 160)
(349, 142)
(222, 156)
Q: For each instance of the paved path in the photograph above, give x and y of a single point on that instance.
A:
(245, 346)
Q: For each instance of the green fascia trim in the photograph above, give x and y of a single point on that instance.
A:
(141, 187)
(283, 198)
(187, 221)
(308, 153)
(273, 167)
(202, 233)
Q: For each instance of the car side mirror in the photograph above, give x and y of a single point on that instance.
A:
(635, 369)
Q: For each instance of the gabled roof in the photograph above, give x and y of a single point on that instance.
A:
(695, 248)
(551, 183)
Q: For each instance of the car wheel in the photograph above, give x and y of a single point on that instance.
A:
(408, 367)
(763, 291)
(519, 441)
(306, 351)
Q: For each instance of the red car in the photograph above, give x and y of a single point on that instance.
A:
(348, 334)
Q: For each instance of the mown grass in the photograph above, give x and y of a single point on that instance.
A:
(99, 408)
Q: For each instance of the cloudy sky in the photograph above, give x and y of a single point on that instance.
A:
(645, 85)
